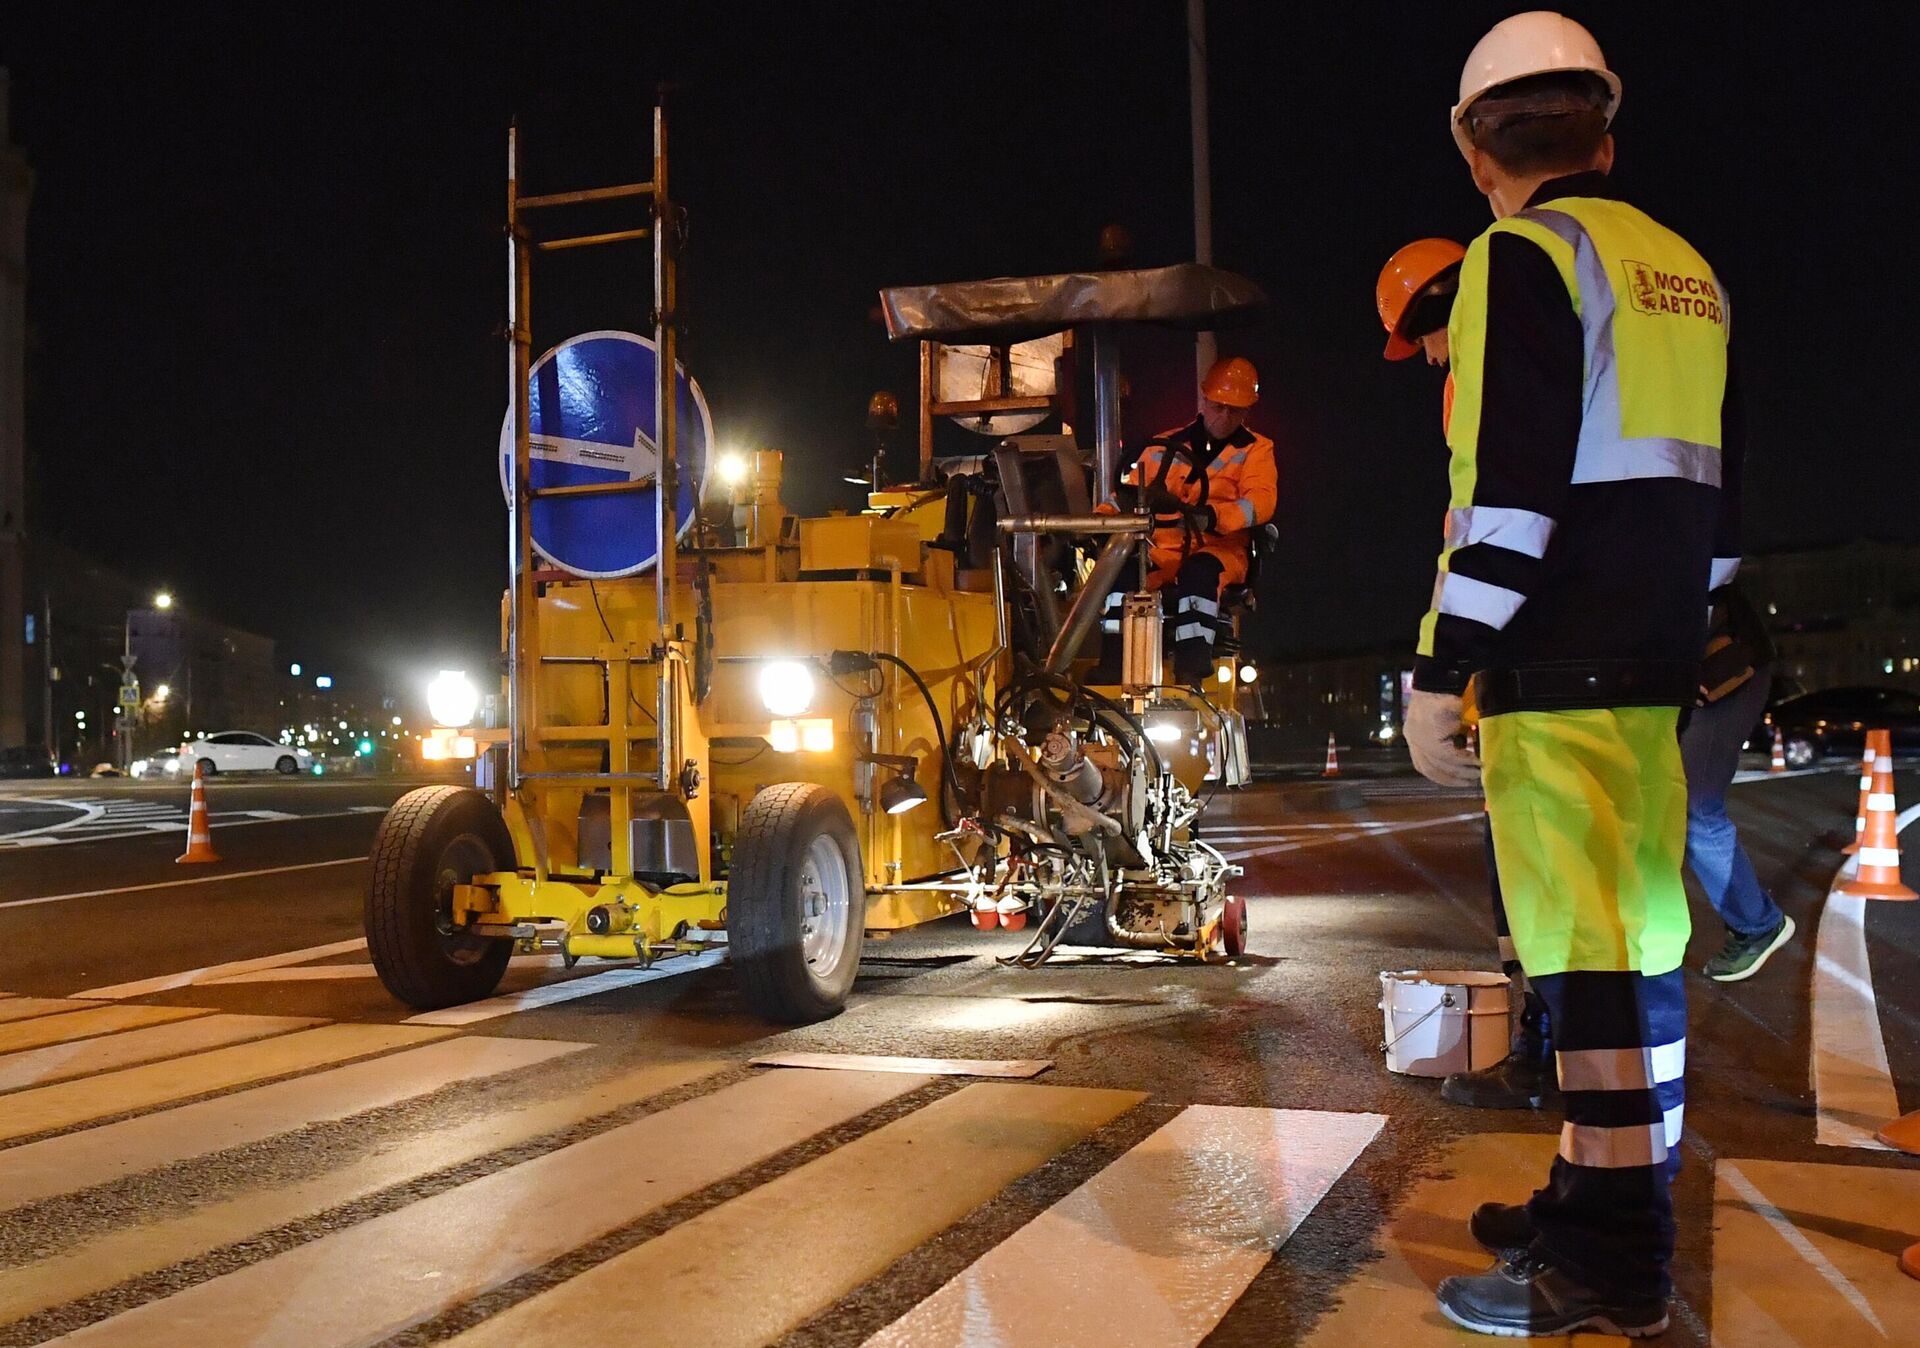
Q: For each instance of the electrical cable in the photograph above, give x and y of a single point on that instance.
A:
(594, 594)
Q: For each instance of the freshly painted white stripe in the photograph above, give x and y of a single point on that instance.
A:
(1622, 1069)
(367, 1282)
(1522, 531)
(1614, 1148)
(187, 978)
(1852, 1082)
(937, 1067)
(27, 1008)
(1156, 1247)
(534, 998)
(326, 973)
(80, 1160)
(264, 814)
(1907, 816)
(1798, 1242)
(176, 884)
(1371, 831)
(69, 1061)
(1465, 597)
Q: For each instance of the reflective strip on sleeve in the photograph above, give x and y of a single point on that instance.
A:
(1199, 603)
(1246, 506)
(1465, 597)
(1633, 460)
(1614, 1148)
(1724, 570)
(1622, 1069)
(1194, 631)
(1500, 527)
(1109, 624)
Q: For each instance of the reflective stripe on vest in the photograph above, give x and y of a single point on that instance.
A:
(1654, 321)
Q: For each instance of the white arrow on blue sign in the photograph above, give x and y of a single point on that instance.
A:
(592, 419)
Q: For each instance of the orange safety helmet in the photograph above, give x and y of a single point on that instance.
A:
(1232, 381)
(1407, 273)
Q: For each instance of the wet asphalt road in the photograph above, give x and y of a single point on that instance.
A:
(1293, 1025)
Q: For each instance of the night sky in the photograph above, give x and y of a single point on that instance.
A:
(265, 269)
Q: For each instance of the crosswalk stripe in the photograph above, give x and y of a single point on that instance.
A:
(939, 1067)
(26, 1008)
(1154, 1249)
(550, 993)
(118, 1256)
(369, 1281)
(67, 1164)
(779, 1253)
(146, 987)
(309, 973)
(69, 1025)
(1852, 1083)
(136, 1088)
(66, 1062)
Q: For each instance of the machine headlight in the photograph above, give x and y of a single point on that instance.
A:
(452, 698)
(786, 687)
(1163, 732)
(1248, 673)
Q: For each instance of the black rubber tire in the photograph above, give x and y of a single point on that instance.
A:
(207, 767)
(778, 827)
(433, 838)
(287, 766)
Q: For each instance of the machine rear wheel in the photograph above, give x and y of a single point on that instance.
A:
(1233, 927)
(432, 839)
(796, 903)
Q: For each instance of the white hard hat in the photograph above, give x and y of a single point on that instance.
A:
(1539, 42)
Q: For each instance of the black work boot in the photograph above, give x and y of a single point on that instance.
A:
(1524, 1079)
(1501, 1228)
(1526, 1296)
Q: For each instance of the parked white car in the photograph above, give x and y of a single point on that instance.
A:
(243, 751)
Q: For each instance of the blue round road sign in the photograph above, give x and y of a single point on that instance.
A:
(592, 419)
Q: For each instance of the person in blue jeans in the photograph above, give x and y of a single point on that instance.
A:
(1734, 682)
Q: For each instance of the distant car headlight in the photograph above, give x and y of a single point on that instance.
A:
(172, 767)
(786, 687)
(452, 698)
(140, 768)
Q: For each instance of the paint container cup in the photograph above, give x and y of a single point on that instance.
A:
(1441, 1021)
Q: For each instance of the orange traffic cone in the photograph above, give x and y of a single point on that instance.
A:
(199, 840)
(1866, 788)
(1779, 763)
(1910, 1261)
(1333, 759)
(1903, 1134)
(1878, 876)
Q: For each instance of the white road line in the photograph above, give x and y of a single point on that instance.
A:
(534, 998)
(1156, 1247)
(175, 884)
(1852, 1081)
(59, 834)
(333, 972)
(1353, 832)
(189, 977)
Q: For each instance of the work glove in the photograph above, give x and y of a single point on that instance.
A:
(1433, 720)
(1161, 501)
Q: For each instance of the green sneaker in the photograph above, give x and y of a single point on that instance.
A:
(1742, 956)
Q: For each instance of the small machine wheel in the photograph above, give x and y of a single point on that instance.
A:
(1800, 753)
(1233, 926)
(207, 767)
(432, 839)
(796, 903)
(287, 765)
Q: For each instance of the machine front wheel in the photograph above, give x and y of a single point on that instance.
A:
(432, 839)
(796, 903)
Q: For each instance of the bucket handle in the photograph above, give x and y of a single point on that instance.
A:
(1446, 1004)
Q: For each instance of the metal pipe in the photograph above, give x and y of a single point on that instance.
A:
(589, 240)
(1106, 409)
(1203, 349)
(519, 523)
(590, 194)
(1088, 604)
(666, 352)
(1075, 524)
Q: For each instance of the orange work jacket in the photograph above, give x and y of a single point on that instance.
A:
(1242, 487)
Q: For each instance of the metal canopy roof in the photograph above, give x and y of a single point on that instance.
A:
(1014, 308)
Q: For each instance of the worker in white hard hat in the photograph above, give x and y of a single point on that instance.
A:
(1594, 508)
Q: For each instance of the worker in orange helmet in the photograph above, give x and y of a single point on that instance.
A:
(1415, 297)
(1210, 484)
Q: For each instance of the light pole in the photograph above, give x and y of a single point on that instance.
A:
(129, 702)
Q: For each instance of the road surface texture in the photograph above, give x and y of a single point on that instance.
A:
(217, 1128)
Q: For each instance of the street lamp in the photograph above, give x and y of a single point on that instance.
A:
(163, 601)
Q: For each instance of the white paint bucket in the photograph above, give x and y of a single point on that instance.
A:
(1441, 1021)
